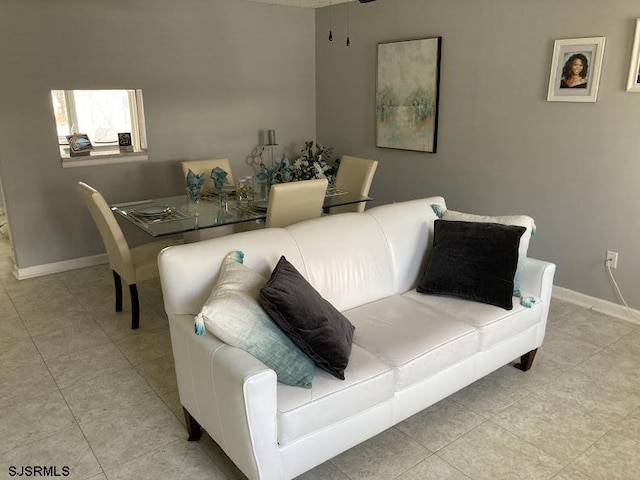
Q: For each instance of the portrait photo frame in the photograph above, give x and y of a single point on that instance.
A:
(633, 83)
(408, 94)
(575, 69)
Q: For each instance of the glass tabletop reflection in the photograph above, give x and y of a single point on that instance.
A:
(171, 215)
(174, 215)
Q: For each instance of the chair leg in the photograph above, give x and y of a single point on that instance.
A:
(135, 307)
(118, 284)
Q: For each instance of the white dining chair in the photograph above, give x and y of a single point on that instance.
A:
(355, 176)
(295, 202)
(131, 264)
(206, 166)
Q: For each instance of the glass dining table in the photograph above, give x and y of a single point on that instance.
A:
(159, 217)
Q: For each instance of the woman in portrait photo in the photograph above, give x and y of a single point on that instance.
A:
(574, 72)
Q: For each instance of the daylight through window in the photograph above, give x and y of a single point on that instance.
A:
(101, 115)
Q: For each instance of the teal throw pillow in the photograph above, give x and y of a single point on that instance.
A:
(233, 314)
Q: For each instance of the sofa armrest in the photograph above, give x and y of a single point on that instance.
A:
(537, 278)
(231, 394)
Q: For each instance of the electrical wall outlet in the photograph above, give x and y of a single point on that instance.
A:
(612, 259)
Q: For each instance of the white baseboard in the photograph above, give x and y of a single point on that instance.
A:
(58, 267)
(596, 304)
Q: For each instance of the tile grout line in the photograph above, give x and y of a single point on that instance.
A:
(75, 419)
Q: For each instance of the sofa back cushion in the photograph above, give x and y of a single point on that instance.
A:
(346, 258)
(408, 230)
(189, 271)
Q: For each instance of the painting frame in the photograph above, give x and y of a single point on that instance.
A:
(587, 52)
(408, 94)
(633, 83)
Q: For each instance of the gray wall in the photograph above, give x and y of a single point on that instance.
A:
(213, 73)
(502, 148)
(216, 72)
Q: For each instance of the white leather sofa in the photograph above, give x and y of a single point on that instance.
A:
(410, 350)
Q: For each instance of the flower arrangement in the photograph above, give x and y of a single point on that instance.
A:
(280, 172)
(315, 162)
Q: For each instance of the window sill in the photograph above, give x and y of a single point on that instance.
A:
(102, 157)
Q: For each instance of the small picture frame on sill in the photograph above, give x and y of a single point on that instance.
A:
(575, 69)
(79, 144)
(633, 83)
(124, 142)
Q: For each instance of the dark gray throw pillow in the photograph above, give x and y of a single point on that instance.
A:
(475, 261)
(310, 321)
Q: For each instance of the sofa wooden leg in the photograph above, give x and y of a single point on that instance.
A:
(526, 360)
(135, 307)
(117, 283)
(193, 427)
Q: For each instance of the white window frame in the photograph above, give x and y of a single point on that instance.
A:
(109, 153)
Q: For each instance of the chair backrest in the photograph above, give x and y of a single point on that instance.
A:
(294, 202)
(205, 166)
(354, 175)
(111, 233)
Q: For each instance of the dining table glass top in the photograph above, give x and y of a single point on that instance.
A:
(174, 215)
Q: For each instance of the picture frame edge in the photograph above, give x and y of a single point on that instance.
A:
(600, 42)
(633, 86)
(439, 39)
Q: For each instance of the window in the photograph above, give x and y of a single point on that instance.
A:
(100, 114)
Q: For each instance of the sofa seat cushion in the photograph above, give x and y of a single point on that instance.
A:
(494, 324)
(368, 382)
(414, 338)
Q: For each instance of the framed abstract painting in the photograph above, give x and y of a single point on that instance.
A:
(407, 94)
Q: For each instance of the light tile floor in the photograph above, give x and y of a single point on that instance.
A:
(78, 388)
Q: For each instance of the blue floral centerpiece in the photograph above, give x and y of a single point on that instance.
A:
(314, 162)
(280, 172)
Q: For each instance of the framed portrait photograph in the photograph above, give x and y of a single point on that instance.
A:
(633, 84)
(575, 69)
(407, 94)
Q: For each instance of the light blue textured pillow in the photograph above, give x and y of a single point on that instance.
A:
(519, 220)
(233, 314)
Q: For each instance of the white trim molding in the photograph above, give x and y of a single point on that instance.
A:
(58, 267)
(103, 158)
(595, 304)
